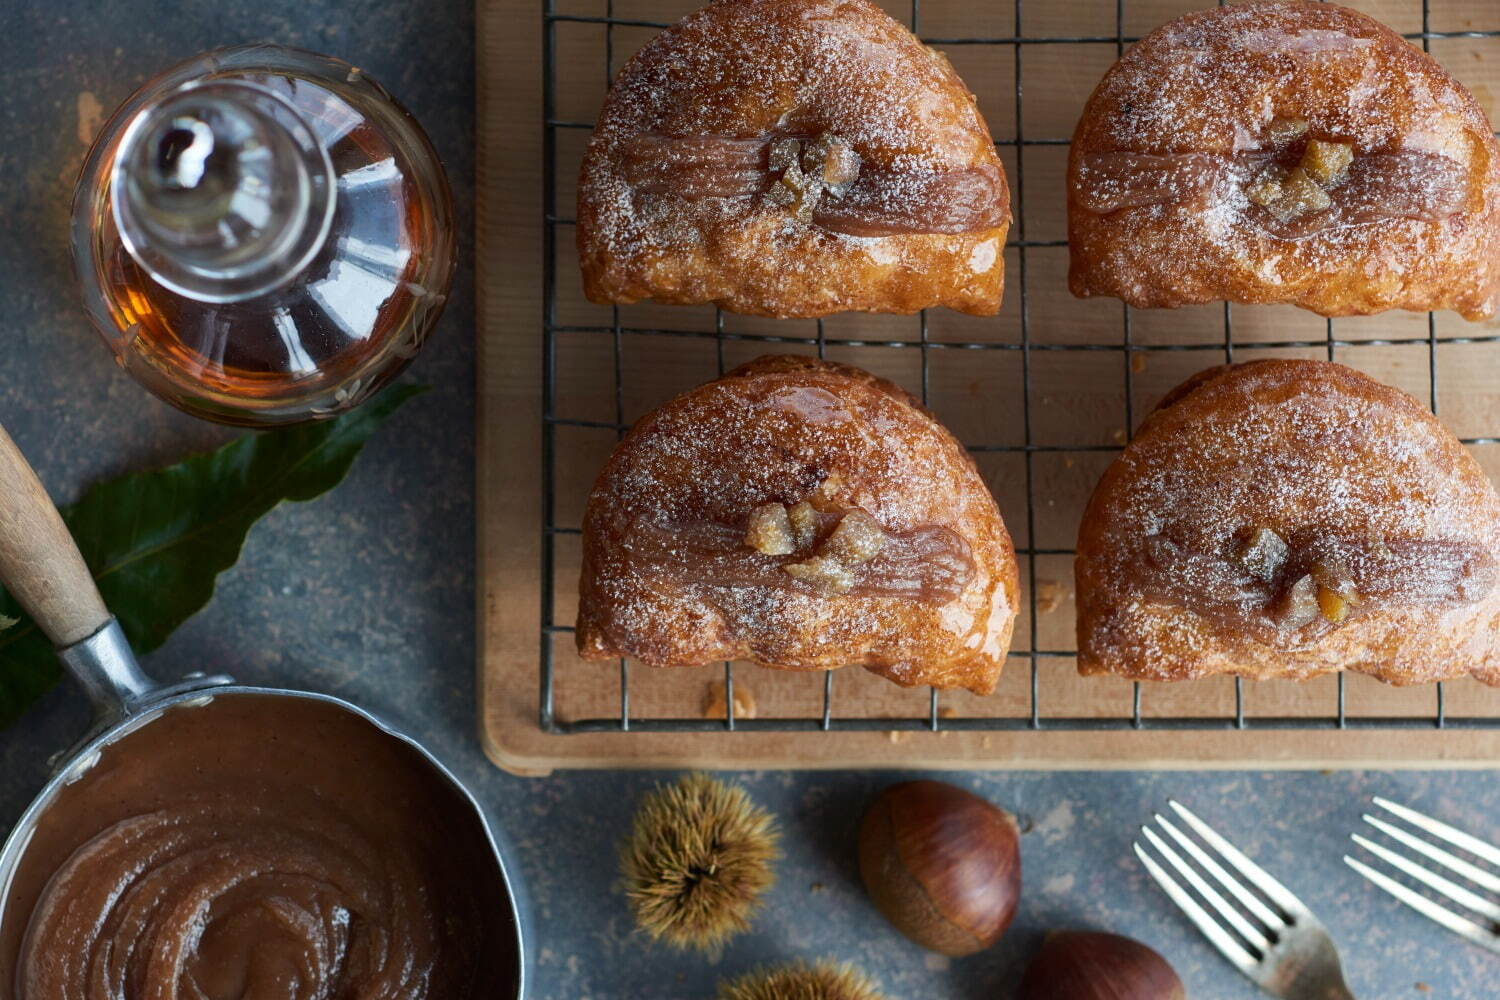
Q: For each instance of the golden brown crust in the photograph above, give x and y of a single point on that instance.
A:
(779, 431)
(1212, 83)
(753, 69)
(1344, 469)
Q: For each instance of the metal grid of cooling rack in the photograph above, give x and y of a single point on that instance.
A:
(828, 720)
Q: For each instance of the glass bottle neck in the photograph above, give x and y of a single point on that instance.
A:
(222, 191)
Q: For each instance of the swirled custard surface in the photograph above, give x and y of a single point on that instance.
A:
(262, 847)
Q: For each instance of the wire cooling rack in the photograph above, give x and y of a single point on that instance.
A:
(1028, 348)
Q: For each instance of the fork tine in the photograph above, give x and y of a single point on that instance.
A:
(1253, 873)
(1474, 874)
(1217, 936)
(1249, 900)
(1229, 913)
(1463, 897)
(1426, 907)
(1463, 841)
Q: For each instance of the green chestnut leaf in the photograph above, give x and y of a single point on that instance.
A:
(156, 541)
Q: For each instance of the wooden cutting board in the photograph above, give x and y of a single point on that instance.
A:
(1086, 390)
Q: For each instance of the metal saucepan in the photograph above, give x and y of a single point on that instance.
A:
(42, 568)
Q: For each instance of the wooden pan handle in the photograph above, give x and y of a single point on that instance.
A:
(39, 562)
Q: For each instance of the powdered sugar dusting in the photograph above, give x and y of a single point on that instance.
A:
(1352, 474)
(1213, 83)
(749, 69)
(781, 431)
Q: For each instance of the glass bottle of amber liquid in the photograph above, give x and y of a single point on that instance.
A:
(263, 236)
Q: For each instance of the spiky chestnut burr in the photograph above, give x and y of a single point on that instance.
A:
(697, 862)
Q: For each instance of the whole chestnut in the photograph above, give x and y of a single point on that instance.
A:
(1089, 965)
(943, 865)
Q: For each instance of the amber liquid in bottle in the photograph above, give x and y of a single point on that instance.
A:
(344, 309)
(359, 293)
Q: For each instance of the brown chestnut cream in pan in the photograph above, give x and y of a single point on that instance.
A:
(255, 845)
(210, 841)
(792, 158)
(1286, 519)
(1285, 151)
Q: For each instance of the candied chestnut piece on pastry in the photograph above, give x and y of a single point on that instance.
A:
(805, 516)
(1283, 151)
(1286, 519)
(792, 158)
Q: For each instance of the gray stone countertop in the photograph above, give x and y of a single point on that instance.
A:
(367, 593)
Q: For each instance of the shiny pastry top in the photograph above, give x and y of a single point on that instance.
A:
(802, 515)
(1283, 151)
(792, 158)
(1285, 518)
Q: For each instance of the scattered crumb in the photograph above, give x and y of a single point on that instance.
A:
(817, 888)
(1058, 822)
(1049, 596)
(1059, 886)
(1120, 436)
(898, 736)
(90, 117)
(1137, 362)
(1423, 988)
(714, 704)
(985, 743)
(947, 712)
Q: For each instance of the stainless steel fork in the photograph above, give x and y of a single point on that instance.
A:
(1485, 934)
(1269, 936)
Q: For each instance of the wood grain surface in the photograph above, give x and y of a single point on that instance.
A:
(1086, 390)
(39, 562)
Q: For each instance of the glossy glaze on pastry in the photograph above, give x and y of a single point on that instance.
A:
(1285, 519)
(802, 515)
(1285, 151)
(792, 158)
